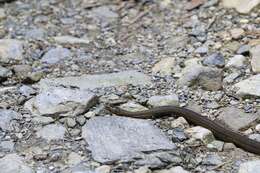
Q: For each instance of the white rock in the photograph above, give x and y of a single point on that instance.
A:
(12, 163)
(255, 62)
(242, 6)
(51, 132)
(238, 61)
(200, 133)
(249, 87)
(156, 101)
(250, 167)
(257, 127)
(103, 169)
(165, 67)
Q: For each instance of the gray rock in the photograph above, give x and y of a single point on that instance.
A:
(74, 159)
(98, 81)
(250, 167)
(132, 106)
(178, 135)
(55, 55)
(35, 34)
(177, 42)
(255, 137)
(6, 116)
(249, 87)
(212, 159)
(51, 132)
(196, 74)
(255, 61)
(10, 49)
(4, 73)
(59, 101)
(70, 40)
(119, 138)
(216, 145)
(26, 90)
(105, 14)
(166, 100)
(238, 61)
(215, 59)
(12, 163)
(231, 77)
(71, 122)
(237, 119)
(200, 133)
(242, 6)
(202, 50)
(166, 66)
(7, 145)
(244, 49)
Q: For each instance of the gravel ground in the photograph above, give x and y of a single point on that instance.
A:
(62, 60)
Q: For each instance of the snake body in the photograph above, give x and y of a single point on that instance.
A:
(220, 131)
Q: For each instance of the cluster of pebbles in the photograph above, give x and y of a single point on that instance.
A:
(61, 61)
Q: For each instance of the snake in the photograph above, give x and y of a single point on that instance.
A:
(220, 131)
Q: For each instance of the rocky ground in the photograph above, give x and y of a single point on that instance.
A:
(62, 60)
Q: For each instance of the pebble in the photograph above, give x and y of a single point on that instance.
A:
(216, 145)
(6, 117)
(10, 49)
(249, 87)
(74, 159)
(244, 50)
(56, 55)
(212, 159)
(215, 59)
(257, 127)
(178, 135)
(255, 137)
(238, 61)
(165, 67)
(71, 122)
(249, 167)
(81, 120)
(201, 134)
(180, 122)
(156, 101)
(132, 107)
(255, 62)
(202, 50)
(237, 33)
(4, 73)
(103, 169)
(70, 40)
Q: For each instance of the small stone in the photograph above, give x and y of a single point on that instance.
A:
(176, 169)
(10, 49)
(35, 34)
(12, 163)
(229, 79)
(156, 101)
(143, 169)
(257, 127)
(51, 132)
(242, 6)
(244, 50)
(202, 50)
(249, 167)
(236, 118)
(4, 73)
(255, 61)
(71, 40)
(132, 107)
(22, 70)
(237, 33)
(238, 61)
(74, 159)
(103, 169)
(7, 145)
(255, 137)
(165, 67)
(26, 90)
(215, 59)
(81, 120)
(6, 117)
(75, 132)
(178, 135)
(229, 146)
(56, 55)
(90, 114)
(216, 145)
(71, 122)
(201, 134)
(180, 122)
(249, 87)
(212, 159)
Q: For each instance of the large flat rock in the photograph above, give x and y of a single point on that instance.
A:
(120, 138)
(98, 80)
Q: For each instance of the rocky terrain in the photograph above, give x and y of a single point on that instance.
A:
(61, 61)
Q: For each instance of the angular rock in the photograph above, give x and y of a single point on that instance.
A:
(4, 73)
(104, 14)
(99, 80)
(215, 59)
(6, 116)
(10, 49)
(196, 74)
(250, 167)
(12, 163)
(51, 132)
(249, 87)
(236, 118)
(166, 100)
(237, 33)
(165, 67)
(59, 101)
(119, 138)
(238, 61)
(244, 50)
(70, 40)
(242, 6)
(36, 34)
(55, 55)
(200, 133)
(212, 159)
(255, 61)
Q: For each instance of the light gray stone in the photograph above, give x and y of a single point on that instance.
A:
(255, 61)
(242, 6)
(249, 87)
(51, 132)
(104, 14)
(66, 39)
(212, 159)
(10, 49)
(6, 116)
(35, 34)
(166, 100)
(215, 59)
(238, 61)
(59, 101)
(7, 145)
(119, 138)
(236, 118)
(13, 163)
(55, 55)
(132, 107)
(200, 133)
(4, 73)
(99, 80)
(250, 167)
(166, 66)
